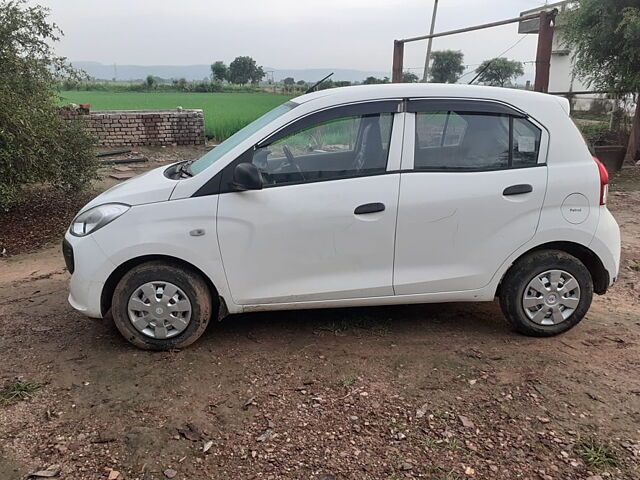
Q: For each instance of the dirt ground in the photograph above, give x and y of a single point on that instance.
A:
(428, 391)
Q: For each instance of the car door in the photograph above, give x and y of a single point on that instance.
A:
(472, 188)
(323, 225)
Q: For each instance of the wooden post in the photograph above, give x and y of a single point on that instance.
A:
(634, 138)
(543, 55)
(398, 59)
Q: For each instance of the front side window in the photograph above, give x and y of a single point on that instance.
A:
(463, 141)
(349, 146)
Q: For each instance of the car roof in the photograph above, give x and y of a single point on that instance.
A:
(358, 93)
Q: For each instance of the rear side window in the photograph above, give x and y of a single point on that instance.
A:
(464, 141)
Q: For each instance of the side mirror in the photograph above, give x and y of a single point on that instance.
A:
(246, 176)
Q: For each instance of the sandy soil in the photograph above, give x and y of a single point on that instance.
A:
(434, 391)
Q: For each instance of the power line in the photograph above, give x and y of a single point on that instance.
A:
(513, 46)
(498, 56)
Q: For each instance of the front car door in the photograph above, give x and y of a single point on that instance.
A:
(472, 188)
(323, 226)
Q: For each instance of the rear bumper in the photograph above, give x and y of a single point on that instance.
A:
(89, 272)
(606, 244)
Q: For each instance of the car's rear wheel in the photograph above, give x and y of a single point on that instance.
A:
(546, 293)
(159, 306)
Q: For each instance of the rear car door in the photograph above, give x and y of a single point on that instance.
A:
(323, 226)
(473, 182)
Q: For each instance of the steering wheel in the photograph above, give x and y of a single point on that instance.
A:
(292, 161)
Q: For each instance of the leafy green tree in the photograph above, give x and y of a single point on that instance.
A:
(219, 71)
(183, 84)
(605, 38)
(289, 81)
(257, 75)
(301, 83)
(244, 69)
(150, 82)
(375, 80)
(447, 66)
(36, 144)
(499, 72)
(408, 77)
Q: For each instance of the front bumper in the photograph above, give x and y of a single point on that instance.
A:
(90, 268)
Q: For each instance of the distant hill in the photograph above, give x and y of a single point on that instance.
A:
(198, 72)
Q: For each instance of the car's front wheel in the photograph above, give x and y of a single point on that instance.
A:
(160, 306)
(546, 293)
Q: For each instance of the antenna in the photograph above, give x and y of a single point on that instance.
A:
(313, 87)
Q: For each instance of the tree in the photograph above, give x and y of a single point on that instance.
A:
(150, 82)
(36, 144)
(244, 69)
(183, 84)
(374, 80)
(257, 75)
(605, 38)
(447, 66)
(289, 81)
(301, 83)
(219, 71)
(408, 77)
(499, 72)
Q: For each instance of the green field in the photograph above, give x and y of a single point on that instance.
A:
(224, 113)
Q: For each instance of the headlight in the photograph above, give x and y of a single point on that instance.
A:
(96, 217)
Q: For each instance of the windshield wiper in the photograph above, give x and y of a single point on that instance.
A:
(184, 168)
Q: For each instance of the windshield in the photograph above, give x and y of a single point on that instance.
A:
(234, 140)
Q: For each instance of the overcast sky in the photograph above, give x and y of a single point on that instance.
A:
(282, 34)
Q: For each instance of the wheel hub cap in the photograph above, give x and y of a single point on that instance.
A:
(551, 297)
(159, 310)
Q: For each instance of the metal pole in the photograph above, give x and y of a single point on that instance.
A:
(425, 76)
(543, 55)
(471, 29)
(398, 58)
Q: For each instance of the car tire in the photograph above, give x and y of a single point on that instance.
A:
(545, 293)
(173, 302)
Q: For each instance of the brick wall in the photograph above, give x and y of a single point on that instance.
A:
(142, 127)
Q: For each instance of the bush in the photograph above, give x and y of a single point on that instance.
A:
(600, 134)
(36, 144)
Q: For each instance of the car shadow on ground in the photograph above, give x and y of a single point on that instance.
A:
(432, 323)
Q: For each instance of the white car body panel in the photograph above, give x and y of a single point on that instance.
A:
(455, 228)
(149, 187)
(303, 242)
(301, 246)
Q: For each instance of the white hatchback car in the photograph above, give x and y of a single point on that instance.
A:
(367, 195)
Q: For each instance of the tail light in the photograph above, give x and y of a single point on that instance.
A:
(604, 181)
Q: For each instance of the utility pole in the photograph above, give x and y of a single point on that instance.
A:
(425, 76)
(543, 54)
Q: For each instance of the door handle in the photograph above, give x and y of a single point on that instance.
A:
(369, 208)
(517, 189)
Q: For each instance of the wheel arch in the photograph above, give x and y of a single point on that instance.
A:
(122, 269)
(588, 257)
